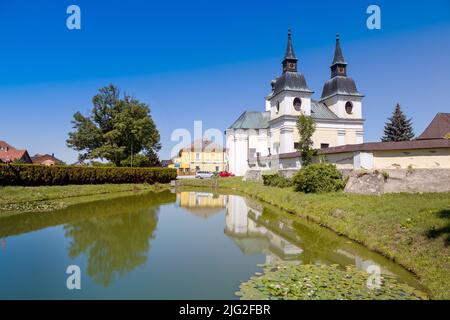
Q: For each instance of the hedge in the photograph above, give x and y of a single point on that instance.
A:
(40, 175)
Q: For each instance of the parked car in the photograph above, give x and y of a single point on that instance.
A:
(224, 174)
(204, 174)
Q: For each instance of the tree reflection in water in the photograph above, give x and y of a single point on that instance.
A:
(113, 244)
(116, 239)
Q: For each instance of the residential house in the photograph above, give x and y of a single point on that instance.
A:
(46, 159)
(10, 154)
(200, 155)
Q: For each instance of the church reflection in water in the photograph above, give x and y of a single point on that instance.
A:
(258, 229)
(254, 238)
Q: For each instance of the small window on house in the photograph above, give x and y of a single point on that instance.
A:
(298, 104)
(278, 106)
(296, 145)
(217, 168)
(197, 156)
(324, 145)
(349, 107)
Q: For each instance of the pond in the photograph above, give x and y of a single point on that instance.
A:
(167, 245)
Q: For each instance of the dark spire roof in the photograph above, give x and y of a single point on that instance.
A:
(339, 83)
(290, 55)
(338, 56)
(291, 79)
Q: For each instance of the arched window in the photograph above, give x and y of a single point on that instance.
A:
(298, 104)
(349, 107)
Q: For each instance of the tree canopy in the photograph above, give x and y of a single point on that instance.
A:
(116, 128)
(398, 127)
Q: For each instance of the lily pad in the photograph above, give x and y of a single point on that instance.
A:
(322, 282)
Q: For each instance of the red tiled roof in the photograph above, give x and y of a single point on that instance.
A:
(5, 145)
(438, 128)
(13, 155)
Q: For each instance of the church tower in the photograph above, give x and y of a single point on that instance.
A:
(289, 98)
(339, 92)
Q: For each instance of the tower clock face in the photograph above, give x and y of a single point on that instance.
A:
(291, 65)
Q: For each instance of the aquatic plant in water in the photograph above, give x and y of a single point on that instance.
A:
(322, 282)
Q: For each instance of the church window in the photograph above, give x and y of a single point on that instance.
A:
(349, 107)
(298, 104)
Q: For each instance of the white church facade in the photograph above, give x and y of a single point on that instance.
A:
(273, 134)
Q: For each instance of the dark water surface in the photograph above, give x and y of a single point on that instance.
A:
(189, 245)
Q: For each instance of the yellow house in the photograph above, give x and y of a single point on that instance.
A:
(201, 155)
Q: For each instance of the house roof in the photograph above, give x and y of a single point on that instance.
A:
(252, 120)
(438, 128)
(39, 158)
(13, 155)
(5, 145)
(384, 146)
(165, 163)
(203, 145)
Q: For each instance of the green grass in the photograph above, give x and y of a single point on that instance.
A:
(16, 200)
(411, 229)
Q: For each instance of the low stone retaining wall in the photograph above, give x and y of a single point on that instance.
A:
(383, 181)
(399, 180)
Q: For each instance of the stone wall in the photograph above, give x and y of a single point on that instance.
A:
(398, 180)
(382, 181)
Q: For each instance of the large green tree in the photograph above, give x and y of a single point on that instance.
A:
(116, 128)
(398, 127)
(306, 128)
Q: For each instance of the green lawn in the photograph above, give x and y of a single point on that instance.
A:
(15, 200)
(411, 229)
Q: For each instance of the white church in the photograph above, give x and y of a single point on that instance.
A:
(269, 134)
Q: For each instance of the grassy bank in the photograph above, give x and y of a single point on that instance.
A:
(15, 200)
(411, 229)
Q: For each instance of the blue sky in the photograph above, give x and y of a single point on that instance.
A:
(210, 60)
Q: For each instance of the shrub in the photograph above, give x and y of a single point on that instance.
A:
(34, 175)
(318, 178)
(276, 180)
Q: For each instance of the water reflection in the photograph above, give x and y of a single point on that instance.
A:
(115, 237)
(259, 229)
(202, 204)
(114, 244)
(254, 238)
